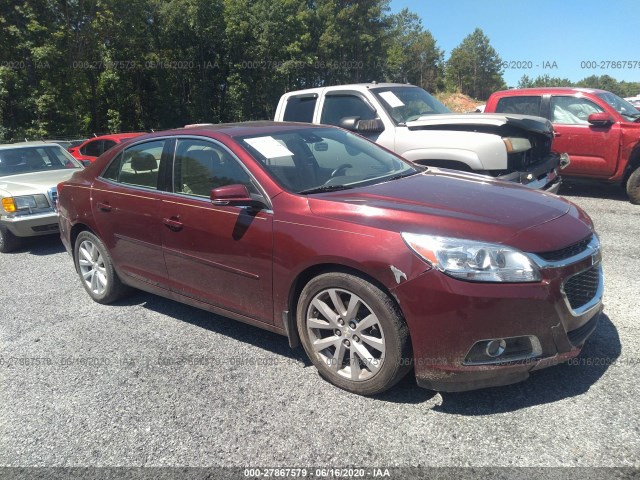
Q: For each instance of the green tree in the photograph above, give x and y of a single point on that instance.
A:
(474, 68)
(412, 54)
(544, 81)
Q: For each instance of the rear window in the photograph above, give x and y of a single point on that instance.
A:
(522, 105)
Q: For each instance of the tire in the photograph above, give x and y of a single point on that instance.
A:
(366, 341)
(633, 187)
(95, 268)
(8, 241)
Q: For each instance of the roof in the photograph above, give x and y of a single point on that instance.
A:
(538, 90)
(242, 128)
(349, 86)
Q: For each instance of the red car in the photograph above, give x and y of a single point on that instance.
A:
(599, 130)
(92, 148)
(377, 266)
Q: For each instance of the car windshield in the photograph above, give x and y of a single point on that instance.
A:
(621, 106)
(313, 160)
(14, 161)
(405, 104)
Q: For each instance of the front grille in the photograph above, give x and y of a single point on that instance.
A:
(53, 227)
(582, 288)
(566, 252)
(580, 334)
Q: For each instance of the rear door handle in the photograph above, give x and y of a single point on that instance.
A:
(174, 224)
(105, 207)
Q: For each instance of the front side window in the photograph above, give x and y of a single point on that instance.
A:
(523, 105)
(138, 165)
(566, 110)
(200, 166)
(337, 107)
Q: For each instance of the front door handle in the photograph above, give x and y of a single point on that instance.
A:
(104, 207)
(174, 224)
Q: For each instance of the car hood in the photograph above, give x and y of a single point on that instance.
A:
(457, 204)
(483, 122)
(34, 182)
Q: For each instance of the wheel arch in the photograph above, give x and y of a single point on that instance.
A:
(632, 164)
(76, 230)
(298, 284)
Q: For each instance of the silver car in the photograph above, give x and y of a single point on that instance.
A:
(29, 174)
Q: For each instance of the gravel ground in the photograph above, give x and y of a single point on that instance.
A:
(151, 382)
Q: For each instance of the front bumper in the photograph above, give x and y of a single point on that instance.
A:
(31, 225)
(542, 176)
(447, 318)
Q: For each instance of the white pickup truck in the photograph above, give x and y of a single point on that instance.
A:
(412, 123)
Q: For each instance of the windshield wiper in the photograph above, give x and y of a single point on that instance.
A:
(324, 188)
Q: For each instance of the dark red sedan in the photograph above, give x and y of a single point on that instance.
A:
(375, 265)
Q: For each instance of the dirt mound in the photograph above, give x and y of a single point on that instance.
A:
(459, 102)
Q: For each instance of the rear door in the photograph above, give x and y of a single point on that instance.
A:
(593, 149)
(126, 204)
(221, 255)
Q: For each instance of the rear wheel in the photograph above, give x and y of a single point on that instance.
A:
(8, 241)
(353, 333)
(633, 187)
(95, 267)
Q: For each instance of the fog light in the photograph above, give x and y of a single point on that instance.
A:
(495, 348)
(492, 351)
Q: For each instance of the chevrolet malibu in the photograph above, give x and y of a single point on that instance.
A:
(376, 266)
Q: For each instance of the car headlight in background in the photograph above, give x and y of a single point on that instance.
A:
(24, 202)
(474, 261)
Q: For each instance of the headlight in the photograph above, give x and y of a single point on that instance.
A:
(24, 202)
(474, 261)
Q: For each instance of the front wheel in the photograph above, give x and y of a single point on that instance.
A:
(8, 241)
(633, 187)
(353, 333)
(95, 268)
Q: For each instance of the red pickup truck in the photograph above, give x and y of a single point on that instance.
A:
(599, 130)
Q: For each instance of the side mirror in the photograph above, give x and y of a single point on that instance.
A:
(86, 163)
(601, 119)
(236, 195)
(354, 124)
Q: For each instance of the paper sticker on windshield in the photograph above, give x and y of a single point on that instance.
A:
(392, 99)
(269, 147)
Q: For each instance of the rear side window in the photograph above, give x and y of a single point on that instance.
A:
(92, 149)
(138, 165)
(522, 105)
(300, 109)
(108, 144)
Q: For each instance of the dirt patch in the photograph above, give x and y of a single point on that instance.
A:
(459, 102)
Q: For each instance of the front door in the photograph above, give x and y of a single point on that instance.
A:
(221, 255)
(593, 149)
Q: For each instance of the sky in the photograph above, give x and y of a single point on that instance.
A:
(562, 38)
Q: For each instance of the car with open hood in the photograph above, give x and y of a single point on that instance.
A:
(377, 266)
